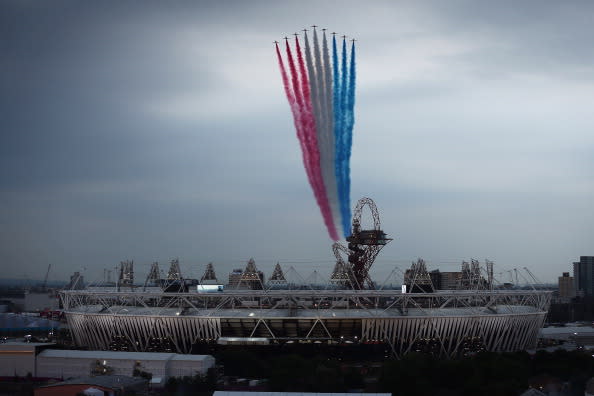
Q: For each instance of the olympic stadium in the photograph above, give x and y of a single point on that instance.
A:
(422, 316)
(448, 321)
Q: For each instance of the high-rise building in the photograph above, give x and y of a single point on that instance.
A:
(451, 280)
(235, 277)
(435, 276)
(249, 278)
(583, 274)
(566, 286)
(77, 282)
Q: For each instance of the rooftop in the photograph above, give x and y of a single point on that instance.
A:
(329, 313)
(107, 381)
(107, 355)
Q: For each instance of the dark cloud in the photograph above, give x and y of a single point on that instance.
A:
(528, 37)
(150, 131)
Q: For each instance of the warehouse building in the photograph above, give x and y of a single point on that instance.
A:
(19, 358)
(113, 385)
(54, 363)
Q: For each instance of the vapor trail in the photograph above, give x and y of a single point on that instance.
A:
(328, 162)
(309, 139)
(325, 136)
(341, 157)
(292, 104)
(350, 122)
(320, 89)
(315, 103)
(296, 110)
(320, 93)
(338, 121)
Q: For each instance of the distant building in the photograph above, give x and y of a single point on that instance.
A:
(450, 280)
(446, 280)
(23, 300)
(234, 277)
(583, 274)
(417, 279)
(18, 358)
(98, 385)
(209, 277)
(249, 278)
(566, 286)
(77, 282)
(57, 363)
(435, 276)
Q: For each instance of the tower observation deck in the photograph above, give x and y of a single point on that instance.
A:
(364, 245)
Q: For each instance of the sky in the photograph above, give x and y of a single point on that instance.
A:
(146, 131)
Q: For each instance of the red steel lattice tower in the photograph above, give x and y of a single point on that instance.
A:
(364, 245)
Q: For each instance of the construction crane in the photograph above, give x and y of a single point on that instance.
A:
(534, 278)
(44, 285)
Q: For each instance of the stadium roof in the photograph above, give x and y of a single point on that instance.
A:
(324, 313)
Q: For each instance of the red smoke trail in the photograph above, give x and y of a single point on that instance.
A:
(286, 85)
(295, 110)
(309, 124)
(298, 95)
(298, 116)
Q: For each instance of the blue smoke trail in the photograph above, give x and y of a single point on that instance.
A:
(350, 122)
(342, 160)
(338, 121)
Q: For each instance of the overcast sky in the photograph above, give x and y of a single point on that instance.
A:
(150, 130)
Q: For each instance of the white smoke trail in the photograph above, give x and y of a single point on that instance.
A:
(313, 87)
(325, 128)
(318, 92)
(319, 79)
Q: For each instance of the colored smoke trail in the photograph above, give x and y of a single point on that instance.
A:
(306, 133)
(325, 132)
(321, 96)
(292, 104)
(328, 165)
(318, 78)
(314, 149)
(350, 122)
(342, 139)
(288, 91)
(291, 97)
(317, 103)
(338, 122)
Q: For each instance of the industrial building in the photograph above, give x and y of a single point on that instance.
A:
(113, 385)
(55, 363)
(20, 358)
(39, 360)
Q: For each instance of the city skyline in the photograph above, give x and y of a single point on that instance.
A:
(152, 132)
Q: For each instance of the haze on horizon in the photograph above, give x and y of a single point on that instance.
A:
(149, 131)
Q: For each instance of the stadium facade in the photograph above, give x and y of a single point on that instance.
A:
(444, 323)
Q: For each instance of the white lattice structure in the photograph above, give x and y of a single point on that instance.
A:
(445, 322)
(278, 277)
